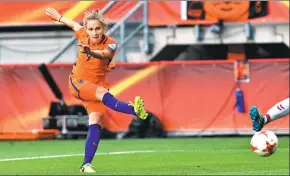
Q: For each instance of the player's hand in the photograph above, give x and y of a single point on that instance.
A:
(84, 48)
(52, 13)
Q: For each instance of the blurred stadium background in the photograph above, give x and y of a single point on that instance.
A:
(199, 65)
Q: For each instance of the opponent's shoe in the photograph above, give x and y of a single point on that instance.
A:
(258, 120)
(139, 108)
(87, 168)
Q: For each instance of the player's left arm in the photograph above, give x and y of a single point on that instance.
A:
(107, 53)
(101, 54)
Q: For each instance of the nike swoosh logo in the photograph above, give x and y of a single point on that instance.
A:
(116, 104)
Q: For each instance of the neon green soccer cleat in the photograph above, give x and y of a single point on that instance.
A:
(88, 168)
(139, 108)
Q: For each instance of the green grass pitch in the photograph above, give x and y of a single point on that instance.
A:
(184, 156)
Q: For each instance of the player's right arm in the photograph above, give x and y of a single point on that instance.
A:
(54, 15)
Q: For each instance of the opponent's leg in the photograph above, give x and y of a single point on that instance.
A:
(258, 120)
(279, 110)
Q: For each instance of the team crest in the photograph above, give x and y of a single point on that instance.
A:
(80, 81)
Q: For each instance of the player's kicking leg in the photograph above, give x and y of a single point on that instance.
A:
(279, 110)
(92, 92)
(134, 108)
(139, 108)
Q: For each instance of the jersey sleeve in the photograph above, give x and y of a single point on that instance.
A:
(79, 32)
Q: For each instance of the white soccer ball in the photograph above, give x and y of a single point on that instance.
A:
(264, 143)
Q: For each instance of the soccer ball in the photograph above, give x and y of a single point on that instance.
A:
(264, 143)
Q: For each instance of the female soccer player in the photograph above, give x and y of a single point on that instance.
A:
(87, 80)
(279, 110)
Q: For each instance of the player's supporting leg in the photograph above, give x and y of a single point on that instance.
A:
(93, 137)
(91, 146)
(279, 110)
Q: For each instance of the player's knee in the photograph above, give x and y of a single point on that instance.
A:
(100, 92)
(95, 118)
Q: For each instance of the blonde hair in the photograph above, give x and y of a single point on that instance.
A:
(95, 15)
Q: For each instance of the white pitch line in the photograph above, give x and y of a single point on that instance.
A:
(72, 155)
(39, 157)
(110, 153)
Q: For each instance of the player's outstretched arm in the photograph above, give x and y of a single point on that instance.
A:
(54, 15)
(99, 54)
(102, 54)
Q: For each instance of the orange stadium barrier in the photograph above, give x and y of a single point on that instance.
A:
(169, 11)
(187, 96)
(30, 135)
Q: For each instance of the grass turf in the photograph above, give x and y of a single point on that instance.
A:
(187, 156)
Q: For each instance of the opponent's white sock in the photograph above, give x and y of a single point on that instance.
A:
(279, 110)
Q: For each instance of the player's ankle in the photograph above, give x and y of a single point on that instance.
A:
(267, 119)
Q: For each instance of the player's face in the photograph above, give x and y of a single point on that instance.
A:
(95, 30)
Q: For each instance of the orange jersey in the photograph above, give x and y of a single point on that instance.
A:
(88, 67)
